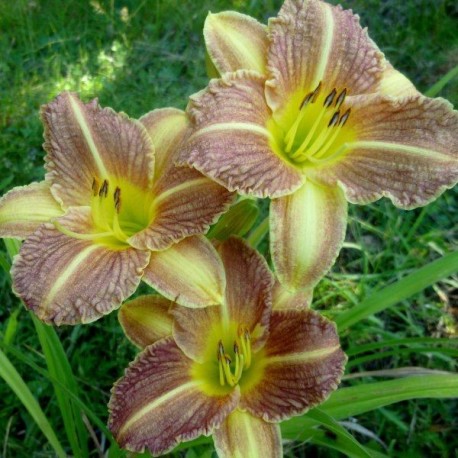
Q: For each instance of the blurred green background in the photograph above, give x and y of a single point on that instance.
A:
(139, 55)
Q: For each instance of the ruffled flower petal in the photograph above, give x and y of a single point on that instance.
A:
(189, 273)
(241, 434)
(313, 42)
(146, 319)
(185, 203)
(157, 403)
(405, 149)
(303, 364)
(167, 128)
(65, 280)
(249, 282)
(24, 208)
(85, 143)
(236, 41)
(230, 142)
(307, 230)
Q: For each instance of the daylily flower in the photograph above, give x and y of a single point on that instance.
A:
(234, 370)
(304, 113)
(112, 210)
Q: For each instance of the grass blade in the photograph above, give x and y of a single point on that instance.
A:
(402, 289)
(11, 376)
(356, 400)
(354, 448)
(436, 88)
(59, 368)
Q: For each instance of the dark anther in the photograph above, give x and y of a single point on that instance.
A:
(334, 119)
(316, 92)
(220, 351)
(236, 348)
(228, 359)
(95, 186)
(306, 100)
(329, 99)
(117, 199)
(103, 192)
(341, 98)
(344, 118)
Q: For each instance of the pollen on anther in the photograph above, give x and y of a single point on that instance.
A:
(316, 92)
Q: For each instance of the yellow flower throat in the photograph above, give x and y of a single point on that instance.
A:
(318, 132)
(118, 209)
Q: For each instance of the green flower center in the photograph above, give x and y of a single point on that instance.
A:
(119, 210)
(233, 363)
(314, 131)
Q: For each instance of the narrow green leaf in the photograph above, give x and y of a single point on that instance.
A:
(436, 88)
(258, 234)
(402, 289)
(395, 342)
(11, 376)
(12, 325)
(59, 368)
(355, 400)
(90, 414)
(354, 448)
(323, 439)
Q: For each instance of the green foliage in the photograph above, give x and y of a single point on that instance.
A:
(140, 55)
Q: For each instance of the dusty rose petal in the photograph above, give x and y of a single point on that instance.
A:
(249, 284)
(314, 41)
(192, 331)
(186, 203)
(307, 230)
(230, 142)
(157, 404)
(85, 142)
(241, 434)
(189, 273)
(303, 364)
(167, 128)
(284, 299)
(146, 319)
(69, 281)
(235, 41)
(24, 208)
(405, 149)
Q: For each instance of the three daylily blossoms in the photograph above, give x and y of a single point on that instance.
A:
(305, 111)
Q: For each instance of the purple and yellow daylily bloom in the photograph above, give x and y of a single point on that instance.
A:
(113, 209)
(308, 113)
(233, 370)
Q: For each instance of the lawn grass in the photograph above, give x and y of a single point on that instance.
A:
(140, 55)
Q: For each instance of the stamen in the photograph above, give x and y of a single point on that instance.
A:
(78, 236)
(117, 199)
(103, 192)
(329, 99)
(341, 98)
(95, 187)
(334, 119)
(247, 339)
(344, 118)
(316, 92)
(306, 100)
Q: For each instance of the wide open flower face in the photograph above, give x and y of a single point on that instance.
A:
(111, 210)
(301, 115)
(233, 370)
